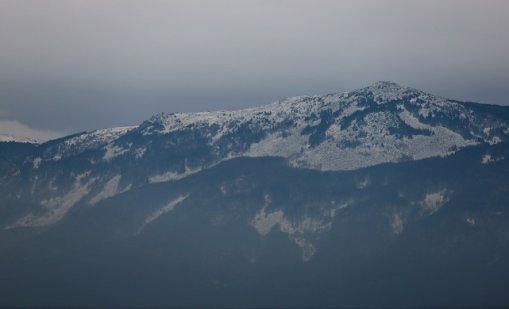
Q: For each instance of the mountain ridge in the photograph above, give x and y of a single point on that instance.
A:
(381, 123)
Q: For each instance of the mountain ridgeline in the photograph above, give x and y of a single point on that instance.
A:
(383, 196)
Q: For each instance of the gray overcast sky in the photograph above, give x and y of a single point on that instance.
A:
(73, 65)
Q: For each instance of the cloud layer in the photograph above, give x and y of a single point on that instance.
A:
(15, 131)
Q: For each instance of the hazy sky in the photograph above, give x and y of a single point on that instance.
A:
(78, 65)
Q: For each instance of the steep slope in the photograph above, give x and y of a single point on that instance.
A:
(381, 123)
(257, 232)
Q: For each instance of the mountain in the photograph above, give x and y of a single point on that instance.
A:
(382, 196)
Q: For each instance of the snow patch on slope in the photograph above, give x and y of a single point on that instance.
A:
(303, 231)
(278, 145)
(397, 223)
(263, 222)
(113, 151)
(172, 175)
(168, 207)
(139, 152)
(36, 162)
(488, 158)
(432, 202)
(299, 232)
(57, 207)
(111, 188)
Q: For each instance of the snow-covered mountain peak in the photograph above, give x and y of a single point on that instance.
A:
(381, 123)
(382, 104)
(383, 92)
(387, 84)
